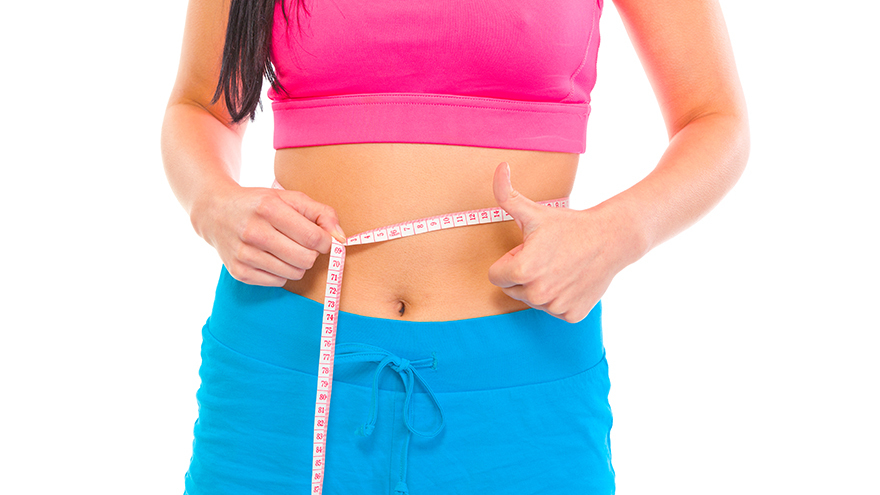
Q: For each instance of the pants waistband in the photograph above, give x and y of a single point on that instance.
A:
(520, 348)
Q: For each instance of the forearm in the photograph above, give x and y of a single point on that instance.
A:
(201, 154)
(701, 164)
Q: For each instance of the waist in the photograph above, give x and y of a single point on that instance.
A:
(439, 276)
(274, 326)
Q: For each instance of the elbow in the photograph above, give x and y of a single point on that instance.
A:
(740, 140)
(734, 142)
(727, 130)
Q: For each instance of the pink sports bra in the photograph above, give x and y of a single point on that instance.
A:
(513, 74)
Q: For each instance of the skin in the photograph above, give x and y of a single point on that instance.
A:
(558, 261)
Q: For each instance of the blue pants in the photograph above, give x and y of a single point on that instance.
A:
(509, 404)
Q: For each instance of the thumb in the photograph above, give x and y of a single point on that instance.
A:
(524, 211)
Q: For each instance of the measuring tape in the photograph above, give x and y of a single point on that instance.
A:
(331, 306)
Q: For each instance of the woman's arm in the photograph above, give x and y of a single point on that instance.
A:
(568, 259)
(685, 50)
(264, 236)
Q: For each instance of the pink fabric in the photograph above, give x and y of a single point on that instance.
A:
(511, 74)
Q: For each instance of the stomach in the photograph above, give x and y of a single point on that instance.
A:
(436, 276)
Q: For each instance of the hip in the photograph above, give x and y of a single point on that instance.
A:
(284, 329)
(511, 403)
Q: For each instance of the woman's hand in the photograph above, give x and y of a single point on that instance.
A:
(266, 236)
(567, 258)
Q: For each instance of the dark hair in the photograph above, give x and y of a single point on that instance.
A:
(246, 55)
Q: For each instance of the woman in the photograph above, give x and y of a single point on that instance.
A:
(391, 111)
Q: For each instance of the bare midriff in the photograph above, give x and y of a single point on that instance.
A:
(437, 276)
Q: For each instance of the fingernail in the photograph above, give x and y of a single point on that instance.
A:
(339, 235)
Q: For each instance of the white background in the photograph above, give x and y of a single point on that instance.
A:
(743, 353)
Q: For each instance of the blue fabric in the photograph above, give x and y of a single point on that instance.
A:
(508, 404)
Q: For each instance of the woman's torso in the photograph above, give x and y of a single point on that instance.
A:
(481, 77)
(437, 276)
